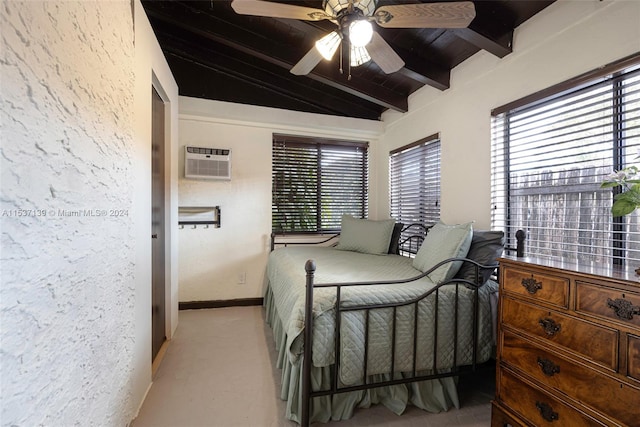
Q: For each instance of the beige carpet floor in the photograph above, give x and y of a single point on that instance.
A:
(219, 370)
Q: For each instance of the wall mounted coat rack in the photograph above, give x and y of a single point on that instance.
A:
(199, 215)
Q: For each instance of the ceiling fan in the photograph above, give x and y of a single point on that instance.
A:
(355, 32)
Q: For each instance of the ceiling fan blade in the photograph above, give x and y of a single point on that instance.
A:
(426, 15)
(383, 55)
(307, 63)
(277, 10)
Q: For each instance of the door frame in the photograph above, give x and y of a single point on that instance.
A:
(158, 214)
(168, 144)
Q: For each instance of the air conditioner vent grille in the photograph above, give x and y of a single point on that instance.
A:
(207, 163)
(208, 167)
(209, 151)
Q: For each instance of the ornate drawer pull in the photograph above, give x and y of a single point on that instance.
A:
(531, 285)
(546, 411)
(623, 308)
(548, 367)
(550, 326)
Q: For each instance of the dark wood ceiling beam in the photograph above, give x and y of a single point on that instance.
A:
(499, 47)
(266, 50)
(328, 74)
(424, 71)
(492, 28)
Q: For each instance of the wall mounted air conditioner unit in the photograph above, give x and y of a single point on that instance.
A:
(207, 163)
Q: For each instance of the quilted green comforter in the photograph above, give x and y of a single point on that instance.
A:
(286, 277)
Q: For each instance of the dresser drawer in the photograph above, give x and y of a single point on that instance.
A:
(613, 398)
(536, 406)
(596, 343)
(540, 287)
(633, 357)
(609, 303)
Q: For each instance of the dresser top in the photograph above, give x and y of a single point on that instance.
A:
(626, 274)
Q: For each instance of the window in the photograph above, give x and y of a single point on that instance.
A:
(315, 181)
(550, 153)
(414, 182)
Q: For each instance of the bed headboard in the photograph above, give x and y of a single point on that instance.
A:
(411, 238)
(408, 240)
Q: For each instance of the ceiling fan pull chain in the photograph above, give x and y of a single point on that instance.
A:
(348, 45)
(341, 54)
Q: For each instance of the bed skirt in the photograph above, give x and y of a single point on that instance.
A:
(432, 395)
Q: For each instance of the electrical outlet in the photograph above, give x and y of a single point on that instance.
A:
(242, 278)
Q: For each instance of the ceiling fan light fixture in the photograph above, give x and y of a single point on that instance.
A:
(360, 32)
(328, 45)
(334, 7)
(358, 56)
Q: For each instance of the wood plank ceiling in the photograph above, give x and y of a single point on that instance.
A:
(215, 53)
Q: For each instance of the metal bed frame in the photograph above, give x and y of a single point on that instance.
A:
(409, 247)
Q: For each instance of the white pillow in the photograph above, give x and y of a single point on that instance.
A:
(443, 242)
(364, 235)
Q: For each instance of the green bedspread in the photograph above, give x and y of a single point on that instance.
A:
(286, 276)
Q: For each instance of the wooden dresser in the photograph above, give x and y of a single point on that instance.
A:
(568, 345)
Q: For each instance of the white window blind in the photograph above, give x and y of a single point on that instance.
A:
(315, 181)
(414, 182)
(550, 154)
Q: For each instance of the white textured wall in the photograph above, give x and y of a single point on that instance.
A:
(67, 281)
(74, 278)
(564, 40)
(210, 260)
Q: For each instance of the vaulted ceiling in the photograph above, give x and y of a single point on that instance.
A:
(215, 53)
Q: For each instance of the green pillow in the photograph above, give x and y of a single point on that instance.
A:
(364, 235)
(442, 242)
